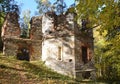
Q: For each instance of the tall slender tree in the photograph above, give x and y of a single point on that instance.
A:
(25, 24)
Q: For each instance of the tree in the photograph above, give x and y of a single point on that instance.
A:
(59, 6)
(43, 6)
(9, 6)
(106, 15)
(25, 25)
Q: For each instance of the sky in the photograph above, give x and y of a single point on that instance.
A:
(32, 5)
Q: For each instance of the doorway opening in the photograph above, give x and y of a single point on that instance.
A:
(23, 54)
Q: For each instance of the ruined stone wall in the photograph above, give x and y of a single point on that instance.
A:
(14, 45)
(48, 21)
(58, 44)
(57, 40)
(83, 38)
(11, 27)
(64, 33)
(58, 54)
(36, 28)
(57, 26)
(79, 42)
(10, 30)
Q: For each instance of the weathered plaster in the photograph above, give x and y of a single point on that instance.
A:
(56, 40)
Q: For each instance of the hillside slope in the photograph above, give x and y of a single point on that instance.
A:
(13, 71)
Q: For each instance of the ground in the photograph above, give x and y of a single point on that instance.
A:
(14, 71)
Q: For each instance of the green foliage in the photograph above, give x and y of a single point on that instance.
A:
(14, 71)
(42, 71)
(106, 58)
(25, 24)
(43, 6)
(59, 6)
(9, 6)
(106, 14)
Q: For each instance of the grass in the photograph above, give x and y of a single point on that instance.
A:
(13, 71)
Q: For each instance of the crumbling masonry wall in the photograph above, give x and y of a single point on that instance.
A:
(14, 45)
(55, 39)
(62, 45)
(11, 27)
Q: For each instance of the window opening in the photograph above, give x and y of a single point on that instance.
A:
(59, 53)
(84, 54)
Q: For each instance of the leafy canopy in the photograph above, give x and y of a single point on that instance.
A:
(58, 6)
(105, 14)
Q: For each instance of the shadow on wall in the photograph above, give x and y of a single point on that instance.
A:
(23, 54)
(60, 66)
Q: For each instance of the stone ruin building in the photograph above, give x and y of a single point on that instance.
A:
(55, 39)
(13, 45)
